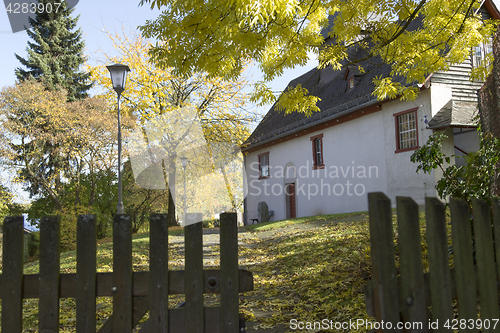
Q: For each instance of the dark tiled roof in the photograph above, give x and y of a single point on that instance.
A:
(331, 87)
(331, 20)
(454, 114)
(336, 100)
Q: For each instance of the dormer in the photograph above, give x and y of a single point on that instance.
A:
(349, 78)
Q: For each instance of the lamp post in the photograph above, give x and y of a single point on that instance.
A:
(184, 162)
(118, 75)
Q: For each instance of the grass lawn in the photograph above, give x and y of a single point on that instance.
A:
(307, 274)
(301, 220)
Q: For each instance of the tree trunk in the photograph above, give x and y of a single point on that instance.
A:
(172, 221)
(51, 193)
(228, 188)
(171, 210)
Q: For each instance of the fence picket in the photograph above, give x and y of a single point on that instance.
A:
(412, 292)
(475, 277)
(48, 317)
(229, 275)
(465, 275)
(86, 272)
(439, 271)
(487, 277)
(158, 276)
(194, 321)
(122, 274)
(12, 275)
(385, 284)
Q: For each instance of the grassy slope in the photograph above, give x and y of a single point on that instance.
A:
(303, 274)
(316, 274)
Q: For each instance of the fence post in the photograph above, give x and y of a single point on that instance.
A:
(193, 283)
(496, 229)
(229, 275)
(465, 275)
(122, 274)
(86, 273)
(412, 293)
(439, 269)
(12, 275)
(48, 317)
(385, 282)
(158, 273)
(487, 278)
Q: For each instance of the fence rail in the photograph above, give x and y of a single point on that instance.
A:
(134, 293)
(473, 281)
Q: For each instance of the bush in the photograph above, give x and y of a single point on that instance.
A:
(476, 179)
(33, 240)
(69, 217)
(214, 223)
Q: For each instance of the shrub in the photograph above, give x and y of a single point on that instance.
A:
(476, 179)
(33, 243)
(214, 223)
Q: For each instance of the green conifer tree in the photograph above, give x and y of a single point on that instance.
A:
(55, 55)
(56, 52)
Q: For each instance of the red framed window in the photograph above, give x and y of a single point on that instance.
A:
(317, 149)
(406, 130)
(263, 165)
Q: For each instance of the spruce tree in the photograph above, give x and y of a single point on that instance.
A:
(56, 52)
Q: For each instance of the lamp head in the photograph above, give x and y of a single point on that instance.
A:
(118, 74)
(184, 162)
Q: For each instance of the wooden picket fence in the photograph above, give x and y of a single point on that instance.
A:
(134, 293)
(416, 297)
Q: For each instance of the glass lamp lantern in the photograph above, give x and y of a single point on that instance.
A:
(118, 74)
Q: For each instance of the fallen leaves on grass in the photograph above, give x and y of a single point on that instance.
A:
(310, 275)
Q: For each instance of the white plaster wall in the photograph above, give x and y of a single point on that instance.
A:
(369, 141)
(448, 150)
(354, 165)
(466, 139)
(440, 94)
(355, 145)
(271, 190)
(402, 179)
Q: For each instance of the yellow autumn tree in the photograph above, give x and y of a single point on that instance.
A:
(414, 37)
(37, 124)
(152, 92)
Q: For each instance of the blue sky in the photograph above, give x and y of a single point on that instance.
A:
(94, 16)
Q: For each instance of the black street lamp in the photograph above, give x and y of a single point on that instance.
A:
(118, 74)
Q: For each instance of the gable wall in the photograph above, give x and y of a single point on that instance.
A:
(402, 179)
(458, 78)
(354, 166)
(366, 144)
